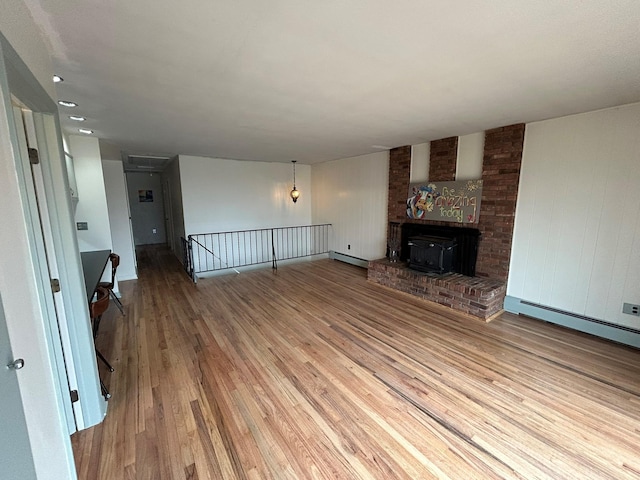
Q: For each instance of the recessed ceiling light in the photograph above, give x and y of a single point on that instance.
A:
(380, 147)
(85, 130)
(76, 118)
(57, 79)
(66, 103)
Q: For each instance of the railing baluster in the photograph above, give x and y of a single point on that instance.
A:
(219, 242)
(244, 248)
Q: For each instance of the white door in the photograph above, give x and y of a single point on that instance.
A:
(65, 367)
(16, 460)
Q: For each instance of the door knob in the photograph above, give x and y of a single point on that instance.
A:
(17, 364)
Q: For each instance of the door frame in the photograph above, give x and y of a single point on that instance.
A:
(63, 367)
(25, 283)
(168, 213)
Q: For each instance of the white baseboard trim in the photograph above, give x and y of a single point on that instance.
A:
(593, 326)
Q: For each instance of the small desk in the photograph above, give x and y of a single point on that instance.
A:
(93, 265)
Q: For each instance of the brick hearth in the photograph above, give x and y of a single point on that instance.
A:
(476, 296)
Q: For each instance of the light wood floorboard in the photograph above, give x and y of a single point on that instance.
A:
(313, 373)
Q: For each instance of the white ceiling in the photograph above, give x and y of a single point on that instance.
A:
(307, 80)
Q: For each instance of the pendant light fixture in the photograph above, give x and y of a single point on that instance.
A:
(295, 193)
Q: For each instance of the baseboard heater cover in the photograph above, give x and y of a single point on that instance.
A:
(348, 259)
(601, 328)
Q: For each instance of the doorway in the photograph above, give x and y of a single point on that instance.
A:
(146, 201)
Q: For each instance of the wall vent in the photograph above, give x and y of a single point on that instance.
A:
(148, 163)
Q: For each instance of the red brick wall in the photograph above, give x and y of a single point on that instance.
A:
(399, 175)
(442, 159)
(501, 174)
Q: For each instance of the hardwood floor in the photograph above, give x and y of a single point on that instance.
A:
(312, 372)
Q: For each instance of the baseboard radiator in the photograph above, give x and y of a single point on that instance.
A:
(348, 259)
(611, 331)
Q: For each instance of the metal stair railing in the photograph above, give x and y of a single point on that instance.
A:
(208, 252)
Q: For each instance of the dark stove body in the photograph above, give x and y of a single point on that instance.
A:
(467, 241)
(431, 254)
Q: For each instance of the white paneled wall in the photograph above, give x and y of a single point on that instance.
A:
(351, 194)
(577, 231)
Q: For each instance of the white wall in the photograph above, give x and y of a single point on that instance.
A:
(470, 156)
(420, 159)
(224, 195)
(121, 239)
(577, 232)
(92, 196)
(172, 179)
(351, 194)
(147, 217)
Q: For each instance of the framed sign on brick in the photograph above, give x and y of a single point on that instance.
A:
(457, 201)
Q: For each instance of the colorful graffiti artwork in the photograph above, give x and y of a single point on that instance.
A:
(457, 201)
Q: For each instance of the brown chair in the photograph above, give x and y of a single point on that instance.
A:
(96, 310)
(115, 261)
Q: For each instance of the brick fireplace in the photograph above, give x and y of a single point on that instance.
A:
(481, 296)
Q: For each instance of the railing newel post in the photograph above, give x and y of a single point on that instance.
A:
(274, 264)
(190, 252)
